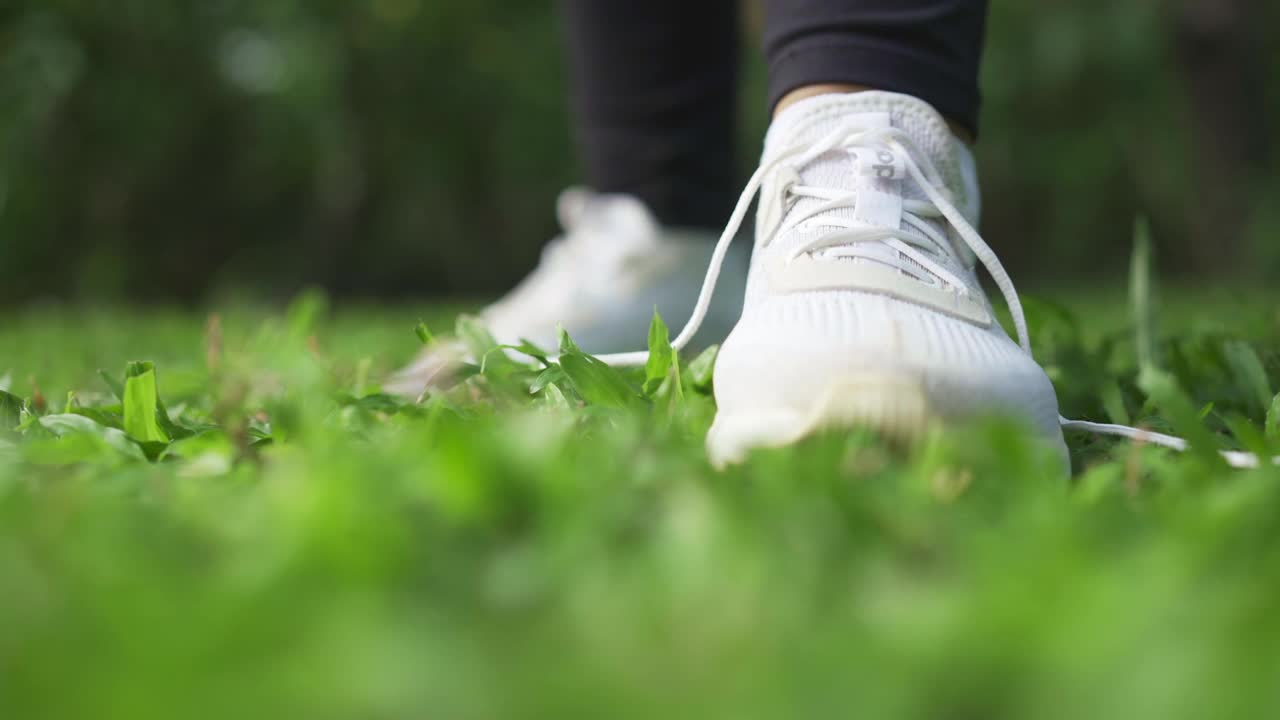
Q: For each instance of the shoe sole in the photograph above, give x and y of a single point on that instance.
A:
(895, 405)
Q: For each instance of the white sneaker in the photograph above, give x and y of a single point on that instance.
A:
(601, 280)
(863, 306)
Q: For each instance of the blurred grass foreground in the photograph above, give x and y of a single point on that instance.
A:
(247, 528)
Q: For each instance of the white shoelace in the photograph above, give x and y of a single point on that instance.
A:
(911, 253)
(928, 179)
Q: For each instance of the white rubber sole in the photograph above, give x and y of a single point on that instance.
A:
(893, 404)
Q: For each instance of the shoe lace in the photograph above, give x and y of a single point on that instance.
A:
(924, 173)
(915, 254)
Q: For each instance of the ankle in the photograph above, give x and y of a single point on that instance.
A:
(808, 91)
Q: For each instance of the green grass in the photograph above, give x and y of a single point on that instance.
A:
(273, 538)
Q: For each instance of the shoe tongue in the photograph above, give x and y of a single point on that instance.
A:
(810, 120)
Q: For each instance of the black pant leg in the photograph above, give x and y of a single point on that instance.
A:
(927, 48)
(654, 92)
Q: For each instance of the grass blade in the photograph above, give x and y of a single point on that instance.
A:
(661, 355)
(1272, 428)
(424, 333)
(1247, 367)
(702, 369)
(1141, 294)
(1163, 388)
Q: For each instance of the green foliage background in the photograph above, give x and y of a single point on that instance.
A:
(153, 148)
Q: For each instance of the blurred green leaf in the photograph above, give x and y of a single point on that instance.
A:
(1142, 294)
(549, 376)
(526, 347)
(424, 334)
(117, 389)
(110, 416)
(1163, 389)
(595, 381)
(1273, 420)
(661, 356)
(1248, 368)
(10, 410)
(555, 398)
(305, 313)
(377, 402)
(1113, 401)
(702, 369)
(1248, 435)
(63, 426)
(140, 403)
(474, 335)
(567, 345)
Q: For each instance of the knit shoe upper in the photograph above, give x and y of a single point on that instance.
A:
(863, 303)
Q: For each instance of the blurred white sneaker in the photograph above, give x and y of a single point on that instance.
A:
(601, 280)
(863, 307)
